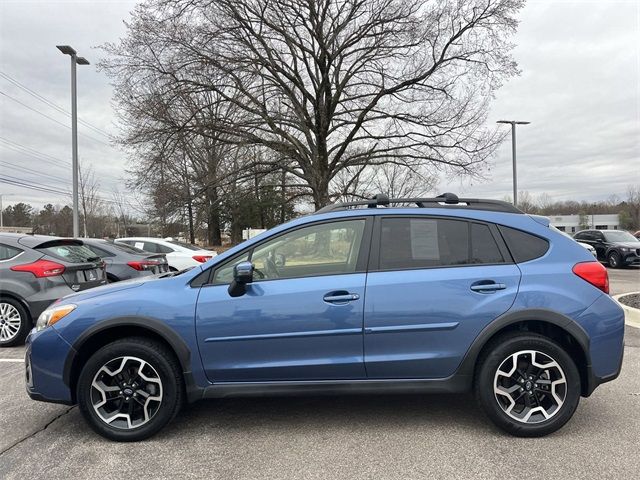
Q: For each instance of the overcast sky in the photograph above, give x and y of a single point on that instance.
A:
(579, 88)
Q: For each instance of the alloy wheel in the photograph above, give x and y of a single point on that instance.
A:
(10, 322)
(126, 392)
(530, 386)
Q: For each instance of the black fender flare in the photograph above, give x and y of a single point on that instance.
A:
(467, 366)
(155, 326)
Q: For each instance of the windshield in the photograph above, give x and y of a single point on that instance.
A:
(184, 245)
(619, 236)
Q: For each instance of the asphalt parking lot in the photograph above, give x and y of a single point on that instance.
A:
(383, 437)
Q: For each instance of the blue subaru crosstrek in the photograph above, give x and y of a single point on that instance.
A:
(381, 296)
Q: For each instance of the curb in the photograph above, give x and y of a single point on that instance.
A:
(631, 315)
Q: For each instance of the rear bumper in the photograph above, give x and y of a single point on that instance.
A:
(604, 323)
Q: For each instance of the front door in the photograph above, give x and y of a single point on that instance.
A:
(433, 285)
(301, 318)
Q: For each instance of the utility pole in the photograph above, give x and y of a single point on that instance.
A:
(513, 124)
(67, 50)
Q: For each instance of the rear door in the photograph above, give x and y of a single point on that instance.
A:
(83, 269)
(433, 284)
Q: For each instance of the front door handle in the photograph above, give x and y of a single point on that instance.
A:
(340, 297)
(487, 286)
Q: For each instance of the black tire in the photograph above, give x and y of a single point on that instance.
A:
(499, 351)
(614, 260)
(171, 387)
(9, 308)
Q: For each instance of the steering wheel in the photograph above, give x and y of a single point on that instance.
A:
(260, 274)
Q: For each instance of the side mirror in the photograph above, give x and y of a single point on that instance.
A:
(242, 275)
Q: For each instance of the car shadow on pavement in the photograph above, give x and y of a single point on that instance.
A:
(333, 413)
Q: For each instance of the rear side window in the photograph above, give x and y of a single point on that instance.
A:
(423, 243)
(523, 246)
(70, 253)
(7, 252)
(100, 252)
(153, 247)
(484, 248)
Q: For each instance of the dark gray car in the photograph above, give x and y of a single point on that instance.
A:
(124, 261)
(35, 271)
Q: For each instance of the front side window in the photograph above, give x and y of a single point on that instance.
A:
(323, 249)
(224, 273)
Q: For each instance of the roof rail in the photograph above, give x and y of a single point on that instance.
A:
(445, 200)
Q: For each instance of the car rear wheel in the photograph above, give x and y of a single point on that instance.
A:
(614, 260)
(527, 384)
(15, 322)
(130, 389)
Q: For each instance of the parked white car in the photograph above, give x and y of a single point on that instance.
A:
(180, 255)
(582, 244)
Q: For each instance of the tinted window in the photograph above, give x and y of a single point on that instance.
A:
(153, 247)
(484, 248)
(123, 247)
(323, 249)
(99, 251)
(70, 253)
(523, 246)
(583, 236)
(188, 246)
(7, 252)
(421, 243)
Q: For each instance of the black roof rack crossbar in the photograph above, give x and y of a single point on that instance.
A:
(446, 200)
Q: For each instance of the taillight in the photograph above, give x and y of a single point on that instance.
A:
(594, 273)
(202, 258)
(142, 264)
(41, 268)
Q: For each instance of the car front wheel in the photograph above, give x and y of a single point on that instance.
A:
(614, 260)
(130, 389)
(527, 384)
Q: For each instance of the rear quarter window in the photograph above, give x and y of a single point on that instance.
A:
(7, 252)
(523, 246)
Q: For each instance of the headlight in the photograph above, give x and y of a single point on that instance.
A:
(52, 315)
(625, 249)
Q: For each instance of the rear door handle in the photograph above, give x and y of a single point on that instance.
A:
(486, 286)
(340, 297)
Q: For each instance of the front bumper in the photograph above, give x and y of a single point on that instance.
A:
(630, 258)
(45, 355)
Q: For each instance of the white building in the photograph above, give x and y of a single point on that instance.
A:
(575, 223)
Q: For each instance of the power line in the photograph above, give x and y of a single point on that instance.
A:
(42, 188)
(51, 118)
(51, 104)
(30, 170)
(18, 147)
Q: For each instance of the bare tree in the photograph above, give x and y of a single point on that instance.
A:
(89, 199)
(333, 85)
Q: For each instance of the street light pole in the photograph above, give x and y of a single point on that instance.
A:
(67, 50)
(513, 124)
